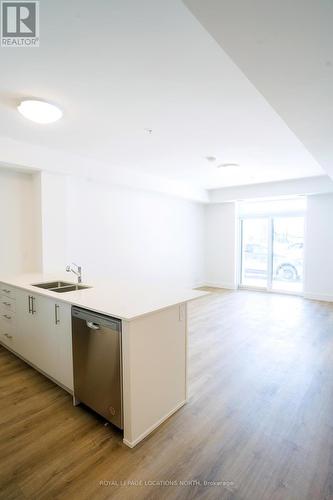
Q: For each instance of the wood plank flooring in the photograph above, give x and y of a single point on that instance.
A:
(259, 421)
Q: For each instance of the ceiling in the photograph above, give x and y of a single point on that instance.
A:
(130, 66)
(285, 49)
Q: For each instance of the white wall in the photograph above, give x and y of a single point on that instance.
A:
(220, 245)
(54, 221)
(49, 220)
(319, 248)
(20, 248)
(134, 235)
(16, 154)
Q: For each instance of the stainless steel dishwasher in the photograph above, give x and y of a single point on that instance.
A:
(97, 363)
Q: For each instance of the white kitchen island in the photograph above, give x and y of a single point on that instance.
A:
(154, 340)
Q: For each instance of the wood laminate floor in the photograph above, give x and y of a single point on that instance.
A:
(259, 422)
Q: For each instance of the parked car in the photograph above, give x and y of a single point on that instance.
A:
(287, 261)
(289, 266)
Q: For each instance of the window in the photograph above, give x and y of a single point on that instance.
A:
(272, 244)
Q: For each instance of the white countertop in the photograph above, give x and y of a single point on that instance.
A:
(121, 300)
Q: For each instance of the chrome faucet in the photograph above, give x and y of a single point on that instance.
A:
(77, 271)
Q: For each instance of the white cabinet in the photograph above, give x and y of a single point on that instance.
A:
(44, 335)
(62, 335)
(7, 290)
(7, 333)
(7, 316)
(25, 326)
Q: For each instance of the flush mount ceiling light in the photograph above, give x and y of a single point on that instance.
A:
(226, 165)
(211, 158)
(39, 111)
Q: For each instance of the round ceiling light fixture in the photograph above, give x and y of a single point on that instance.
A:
(39, 111)
(226, 165)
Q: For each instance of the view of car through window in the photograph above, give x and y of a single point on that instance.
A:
(278, 264)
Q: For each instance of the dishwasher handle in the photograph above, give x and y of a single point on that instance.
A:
(92, 326)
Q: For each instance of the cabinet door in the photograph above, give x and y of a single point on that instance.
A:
(55, 340)
(44, 335)
(44, 354)
(52, 338)
(24, 344)
(7, 333)
(63, 335)
(37, 342)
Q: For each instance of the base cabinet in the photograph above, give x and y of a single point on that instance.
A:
(25, 344)
(7, 334)
(154, 370)
(63, 335)
(43, 335)
(7, 316)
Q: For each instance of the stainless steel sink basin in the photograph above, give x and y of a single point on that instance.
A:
(69, 288)
(61, 286)
(52, 284)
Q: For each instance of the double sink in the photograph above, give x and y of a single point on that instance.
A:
(61, 286)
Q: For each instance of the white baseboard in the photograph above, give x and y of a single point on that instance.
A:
(131, 444)
(232, 286)
(227, 286)
(318, 296)
(199, 285)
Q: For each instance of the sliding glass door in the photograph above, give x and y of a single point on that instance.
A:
(272, 253)
(288, 242)
(254, 258)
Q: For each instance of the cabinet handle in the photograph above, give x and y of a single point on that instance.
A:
(56, 314)
(33, 310)
(29, 302)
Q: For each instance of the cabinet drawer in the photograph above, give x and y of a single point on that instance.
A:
(7, 291)
(7, 318)
(6, 333)
(7, 305)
